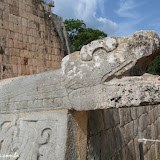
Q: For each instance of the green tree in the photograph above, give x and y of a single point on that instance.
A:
(80, 35)
(154, 67)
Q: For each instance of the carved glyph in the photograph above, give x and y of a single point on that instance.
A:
(33, 136)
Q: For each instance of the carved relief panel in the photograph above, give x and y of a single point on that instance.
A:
(34, 136)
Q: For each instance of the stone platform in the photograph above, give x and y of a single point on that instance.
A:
(91, 108)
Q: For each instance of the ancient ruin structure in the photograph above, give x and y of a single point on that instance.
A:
(90, 109)
(32, 38)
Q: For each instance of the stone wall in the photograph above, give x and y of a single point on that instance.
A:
(90, 109)
(29, 40)
(113, 133)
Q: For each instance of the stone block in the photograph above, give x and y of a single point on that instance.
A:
(155, 112)
(19, 70)
(15, 68)
(27, 70)
(118, 138)
(13, 18)
(118, 156)
(157, 128)
(23, 69)
(128, 132)
(145, 109)
(126, 153)
(5, 24)
(125, 116)
(95, 121)
(16, 44)
(108, 145)
(94, 149)
(139, 111)
(151, 116)
(6, 59)
(152, 151)
(153, 135)
(16, 35)
(134, 113)
(34, 135)
(24, 30)
(11, 43)
(147, 134)
(135, 124)
(143, 122)
(0, 59)
(14, 59)
(3, 32)
(111, 118)
(2, 6)
(16, 28)
(131, 150)
(136, 145)
(14, 9)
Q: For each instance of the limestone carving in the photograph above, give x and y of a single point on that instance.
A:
(112, 57)
(107, 73)
(33, 136)
(99, 76)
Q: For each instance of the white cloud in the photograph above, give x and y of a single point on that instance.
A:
(93, 14)
(126, 9)
(85, 10)
(106, 25)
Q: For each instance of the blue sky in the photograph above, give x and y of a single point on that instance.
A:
(114, 17)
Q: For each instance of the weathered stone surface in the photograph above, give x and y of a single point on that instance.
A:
(95, 125)
(127, 92)
(110, 58)
(143, 121)
(136, 146)
(34, 135)
(94, 148)
(105, 74)
(32, 38)
(134, 112)
(104, 80)
(121, 141)
(132, 149)
(135, 127)
(127, 132)
(46, 91)
(125, 116)
(47, 135)
(111, 118)
(76, 148)
(61, 30)
(107, 141)
(35, 92)
(126, 153)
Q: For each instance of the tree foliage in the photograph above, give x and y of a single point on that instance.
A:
(154, 67)
(80, 35)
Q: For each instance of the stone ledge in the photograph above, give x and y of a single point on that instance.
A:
(45, 92)
(107, 73)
